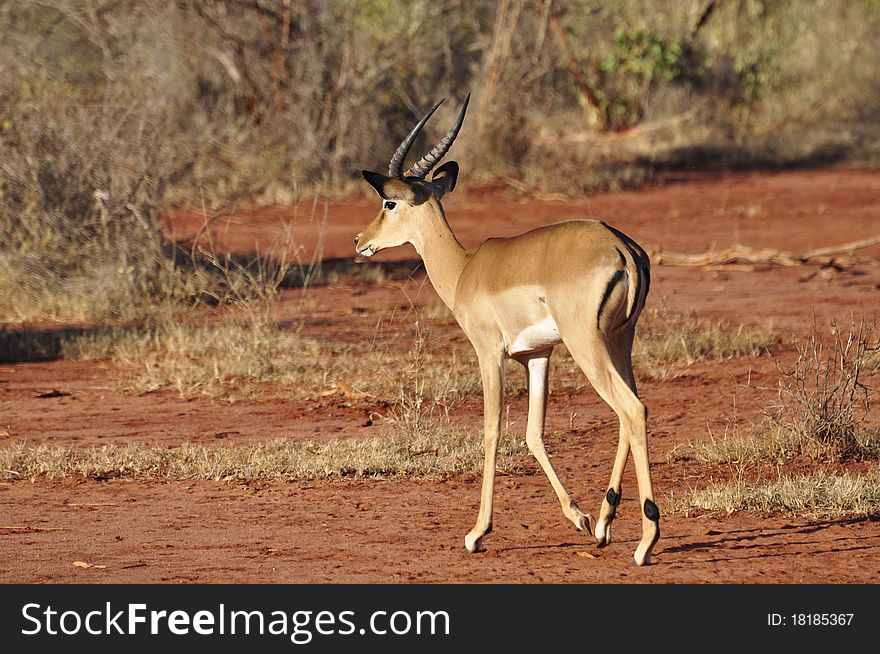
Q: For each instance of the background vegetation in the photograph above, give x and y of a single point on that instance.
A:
(111, 110)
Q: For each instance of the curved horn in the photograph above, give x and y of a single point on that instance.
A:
(396, 163)
(424, 165)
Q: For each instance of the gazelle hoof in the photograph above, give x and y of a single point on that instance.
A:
(603, 533)
(474, 544)
(641, 557)
(585, 523)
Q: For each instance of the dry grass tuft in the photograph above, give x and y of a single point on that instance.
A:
(431, 453)
(243, 356)
(666, 340)
(820, 495)
(773, 445)
(222, 359)
(424, 392)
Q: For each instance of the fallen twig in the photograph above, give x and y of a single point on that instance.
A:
(739, 254)
(846, 247)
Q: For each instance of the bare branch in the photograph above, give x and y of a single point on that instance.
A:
(586, 89)
(738, 254)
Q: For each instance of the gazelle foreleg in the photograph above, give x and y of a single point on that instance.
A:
(537, 367)
(492, 373)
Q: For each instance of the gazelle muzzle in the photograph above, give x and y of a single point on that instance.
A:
(365, 251)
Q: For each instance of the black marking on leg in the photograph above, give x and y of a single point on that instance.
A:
(612, 498)
(651, 511)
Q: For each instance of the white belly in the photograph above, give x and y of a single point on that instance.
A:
(535, 337)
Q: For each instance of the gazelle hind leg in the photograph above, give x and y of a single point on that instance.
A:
(621, 347)
(537, 365)
(595, 358)
(612, 495)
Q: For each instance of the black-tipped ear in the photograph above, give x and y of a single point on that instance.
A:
(444, 178)
(377, 181)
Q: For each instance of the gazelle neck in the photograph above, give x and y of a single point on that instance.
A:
(442, 253)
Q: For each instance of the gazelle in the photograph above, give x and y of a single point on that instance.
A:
(581, 283)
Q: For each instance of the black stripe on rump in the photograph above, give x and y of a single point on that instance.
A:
(616, 277)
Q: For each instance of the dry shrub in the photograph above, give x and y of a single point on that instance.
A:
(821, 411)
(272, 94)
(823, 403)
(90, 146)
(109, 111)
(79, 199)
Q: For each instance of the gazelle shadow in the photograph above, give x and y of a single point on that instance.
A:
(757, 538)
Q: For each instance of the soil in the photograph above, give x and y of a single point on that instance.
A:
(365, 530)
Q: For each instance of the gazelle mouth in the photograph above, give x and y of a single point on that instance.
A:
(367, 251)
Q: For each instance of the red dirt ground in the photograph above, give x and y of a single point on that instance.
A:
(356, 530)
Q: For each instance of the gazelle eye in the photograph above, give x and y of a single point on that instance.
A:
(390, 205)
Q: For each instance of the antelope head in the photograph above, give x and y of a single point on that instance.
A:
(409, 198)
